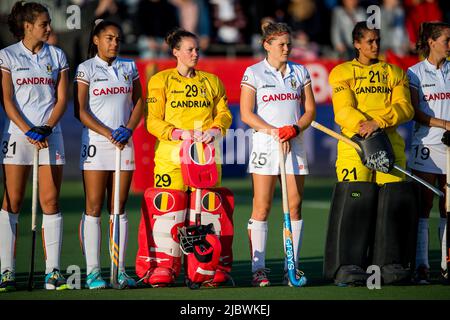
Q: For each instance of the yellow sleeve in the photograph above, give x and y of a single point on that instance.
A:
(344, 101)
(401, 109)
(155, 109)
(221, 114)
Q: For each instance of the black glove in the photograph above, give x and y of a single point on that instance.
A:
(39, 133)
(377, 153)
(446, 138)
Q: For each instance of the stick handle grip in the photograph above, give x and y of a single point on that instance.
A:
(447, 185)
(34, 196)
(336, 135)
(283, 178)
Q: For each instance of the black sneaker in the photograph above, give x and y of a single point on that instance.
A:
(8, 281)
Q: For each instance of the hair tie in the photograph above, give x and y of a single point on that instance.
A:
(96, 22)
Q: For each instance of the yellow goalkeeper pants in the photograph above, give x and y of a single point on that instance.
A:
(350, 168)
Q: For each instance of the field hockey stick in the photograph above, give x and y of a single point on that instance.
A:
(287, 229)
(447, 207)
(115, 236)
(342, 138)
(34, 198)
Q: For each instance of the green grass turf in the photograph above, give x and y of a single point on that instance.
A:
(315, 212)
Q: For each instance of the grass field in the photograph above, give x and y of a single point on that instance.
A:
(315, 211)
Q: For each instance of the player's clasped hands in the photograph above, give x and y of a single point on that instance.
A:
(199, 136)
(120, 136)
(286, 133)
(38, 136)
(207, 136)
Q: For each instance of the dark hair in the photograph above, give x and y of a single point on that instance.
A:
(359, 31)
(98, 27)
(272, 29)
(429, 30)
(173, 38)
(23, 12)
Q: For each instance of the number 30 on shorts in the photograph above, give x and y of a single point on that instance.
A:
(88, 151)
(163, 180)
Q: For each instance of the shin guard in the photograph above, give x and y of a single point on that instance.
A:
(162, 212)
(396, 231)
(350, 227)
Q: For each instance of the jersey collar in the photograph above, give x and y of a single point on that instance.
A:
(40, 54)
(433, 67)
(355, 61)
(103, 63)
(275, 71)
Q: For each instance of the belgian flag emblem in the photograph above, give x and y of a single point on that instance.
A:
(200, 153)
(211, 201)
(164, 202)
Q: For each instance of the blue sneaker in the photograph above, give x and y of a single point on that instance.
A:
(55, 281)
(125, 281)
(94, 280)
(8, 281)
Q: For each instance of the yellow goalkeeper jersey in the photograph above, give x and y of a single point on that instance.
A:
(379, 92)
(175, 101)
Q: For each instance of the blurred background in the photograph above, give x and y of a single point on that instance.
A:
(229, 32)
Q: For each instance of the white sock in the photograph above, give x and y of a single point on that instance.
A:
(8, 233)
(422, 243)
(90, 236)
(258, 239)
(297, 237)
(123, 238)
(52, 227)
(443, 242)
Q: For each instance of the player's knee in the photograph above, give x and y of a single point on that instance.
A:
(295, 209)
(260, 215)
(261, 210)
(93, 209)
(13, 201)
(295, 213)
(49, 203)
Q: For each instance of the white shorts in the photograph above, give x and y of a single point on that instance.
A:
(429, 158)
(15, 149)
(100, 155)
(264, 156)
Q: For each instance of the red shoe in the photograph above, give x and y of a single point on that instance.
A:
(161, 277)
